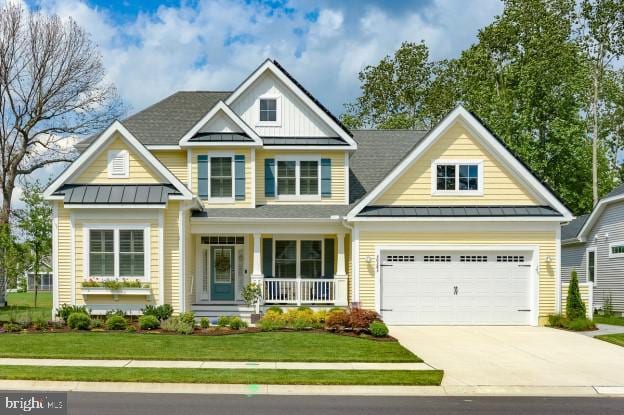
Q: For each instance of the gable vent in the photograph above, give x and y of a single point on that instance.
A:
(118, 164)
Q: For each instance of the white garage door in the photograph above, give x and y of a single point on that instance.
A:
(451, 287)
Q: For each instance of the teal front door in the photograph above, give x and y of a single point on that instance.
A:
(222, 273)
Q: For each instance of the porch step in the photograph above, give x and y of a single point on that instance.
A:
(213, 311)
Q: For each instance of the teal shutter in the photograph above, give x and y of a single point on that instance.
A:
(239, 177)
(329, 258)
(267, 257)
(269, 177)
(326, 177)
(202, 176)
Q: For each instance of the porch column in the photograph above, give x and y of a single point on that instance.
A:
(256, 272)
(341, 274)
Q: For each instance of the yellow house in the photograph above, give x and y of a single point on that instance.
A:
(197, 196)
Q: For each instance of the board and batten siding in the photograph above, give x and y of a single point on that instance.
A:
(545, 240)
(297, 120)
(414, 185)
(609, 276)
(97, 171)
(337, 176)
(175, 161)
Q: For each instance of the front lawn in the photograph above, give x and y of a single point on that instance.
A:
(238, 376)
(615, 320)
(23, 304)
(613, 338)
(264, 346)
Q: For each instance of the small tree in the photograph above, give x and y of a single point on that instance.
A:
(575, 308)
(35, 220)
(252, 293)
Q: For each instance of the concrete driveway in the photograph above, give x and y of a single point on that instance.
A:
(515, 356)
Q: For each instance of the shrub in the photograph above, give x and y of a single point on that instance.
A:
(276, 309)
(337, 319)
(40, 323)
(251, 293)
(188, 317)
(271, 320)
(25, 320)
(12, 327)
(162, 312)
(580, 324)
(116, 322)
(78, 321)
(131, 329)
(331, 310)
(223, 321)
(304, 308)
(204, 323)
(575, 308)
(361, 319)
(236, 323)
(184, 328)
(97, 323)
(556, 320)
(170, 325)
(115, 313)
(607, 306)
(301, 319)
(148, 322)
(65, 310)
(378, 329)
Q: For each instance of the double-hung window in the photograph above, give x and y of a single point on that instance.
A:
(298, 258)
(457, 177)
(269, 111)
(116, 252)
(221, 177)
(298, 178)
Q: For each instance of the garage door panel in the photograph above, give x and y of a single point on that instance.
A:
(471, 288)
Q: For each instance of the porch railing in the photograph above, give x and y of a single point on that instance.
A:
(299, 291)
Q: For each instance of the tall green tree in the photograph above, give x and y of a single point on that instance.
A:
(15, 259)
(35, 221)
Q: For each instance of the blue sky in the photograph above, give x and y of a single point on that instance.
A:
(154, 48)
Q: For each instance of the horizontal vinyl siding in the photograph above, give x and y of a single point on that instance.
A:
(337, 176)
(248, 172)
(64, 279)
(172, 256)
(583, 289)
(175, 161)
(573, 259)
(414, 186)
(97, 171)
(545, 240)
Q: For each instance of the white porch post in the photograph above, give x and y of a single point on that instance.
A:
(256, 273)
(341, 274)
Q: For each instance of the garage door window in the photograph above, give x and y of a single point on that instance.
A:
(437, 258)
(473, 258)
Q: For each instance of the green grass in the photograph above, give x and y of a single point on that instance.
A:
(266, 346)
(613, 338)
(615, 320)
(238, 376)
(20, 304)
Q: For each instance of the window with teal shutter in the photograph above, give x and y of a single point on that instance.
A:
(325, 177)
(202, 176)
(239, 175)
(269, 177)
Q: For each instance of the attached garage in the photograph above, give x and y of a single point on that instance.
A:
(457, 287)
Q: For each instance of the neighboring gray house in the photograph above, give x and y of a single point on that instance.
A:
(593, 245)
(46, 279)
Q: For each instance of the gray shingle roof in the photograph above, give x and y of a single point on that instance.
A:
(94, 194)
(220, 137)
(379, 151)
(457, 211)
(571, 230)
(615, 192)
(276, 211)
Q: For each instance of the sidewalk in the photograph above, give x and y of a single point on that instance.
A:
(190, 364)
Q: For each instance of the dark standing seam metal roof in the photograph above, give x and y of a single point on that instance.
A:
(208, 137)
(118, 194)
(572, 229)
(457, 211)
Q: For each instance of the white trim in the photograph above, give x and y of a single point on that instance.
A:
(460, 114)
(96, 147)
(220, 106)
(55, 268)
(252, 162)
(162, 147)
(221, 200)
(145, 227)
(298, 196)
(458, 226)
(72, 260)
(602, 204)
(282, 227)
(298, 239)
(114, 154)
(457, 192)
(558, 269)
(113, 206)
(534, 281)
(182, 258)
(346, 177)
(189, 167)
(617, 255)
(268, 65)
(587, 251)
(355, 257)
(278, 111)
(161, 258)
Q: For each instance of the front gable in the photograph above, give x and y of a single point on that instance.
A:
(416, 185)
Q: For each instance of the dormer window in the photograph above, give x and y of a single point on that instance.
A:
(457, 177)
(269, 111)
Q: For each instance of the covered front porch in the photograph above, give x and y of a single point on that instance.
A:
(294, 265)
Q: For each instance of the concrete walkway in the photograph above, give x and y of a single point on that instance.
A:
(604, 329)
(190, 364)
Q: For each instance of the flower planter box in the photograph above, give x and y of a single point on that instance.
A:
(87, 291)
